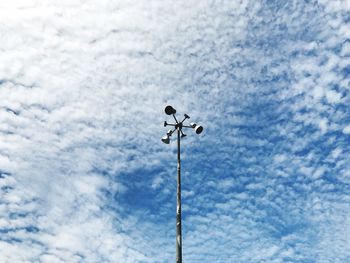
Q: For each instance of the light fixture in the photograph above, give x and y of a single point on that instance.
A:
(169, 110)
(166, 139)
(198, 129)
(169, 133)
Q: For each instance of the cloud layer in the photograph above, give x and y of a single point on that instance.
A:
(83, 174)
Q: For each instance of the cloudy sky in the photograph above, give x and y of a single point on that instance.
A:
(84, 176)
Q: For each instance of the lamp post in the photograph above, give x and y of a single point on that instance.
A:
(169, 110)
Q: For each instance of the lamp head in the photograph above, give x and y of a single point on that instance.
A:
(169, 110)
(166, 139)
(193, 125)
(198, 129)
(169, 133)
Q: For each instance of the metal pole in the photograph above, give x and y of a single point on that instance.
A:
(178, 210)
(169, 110)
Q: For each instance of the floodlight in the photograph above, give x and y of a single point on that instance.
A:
(186, 116)
(198, 129)
(169, 133)
(183, 135)
(165, 124)
(193, 125)
(166, 139)
(169, 110)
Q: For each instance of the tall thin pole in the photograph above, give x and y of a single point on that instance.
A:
(178, 209)
(169, 110)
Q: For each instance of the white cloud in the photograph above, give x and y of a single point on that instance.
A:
(323, 124)
(346, 129)
(332, 96)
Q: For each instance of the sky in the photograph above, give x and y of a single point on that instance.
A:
(84, 176)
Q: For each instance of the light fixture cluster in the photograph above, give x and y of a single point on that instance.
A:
(169, 110)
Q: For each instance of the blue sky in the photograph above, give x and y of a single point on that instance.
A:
(84, 176)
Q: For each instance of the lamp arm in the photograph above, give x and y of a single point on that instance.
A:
(172, 132)
(175, 119)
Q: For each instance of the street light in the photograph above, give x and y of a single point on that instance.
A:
(169, 110)
(196, 127)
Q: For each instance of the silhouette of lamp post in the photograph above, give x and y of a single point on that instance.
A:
(169, 110)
